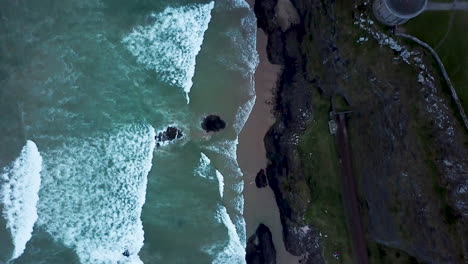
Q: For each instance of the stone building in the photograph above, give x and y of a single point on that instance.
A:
(397, 12)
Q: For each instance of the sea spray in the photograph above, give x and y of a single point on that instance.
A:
(93, 192)
(20, 183)
(170, 45)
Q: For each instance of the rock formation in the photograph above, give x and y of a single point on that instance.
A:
(169, 135)
(213, 123)
(260, 248)
(261, 179)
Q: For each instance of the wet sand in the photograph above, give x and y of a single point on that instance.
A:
(260, 204)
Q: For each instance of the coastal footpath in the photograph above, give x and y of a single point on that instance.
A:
(408, 148)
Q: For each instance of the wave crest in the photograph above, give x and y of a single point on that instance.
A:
(170, 45)
(19, 195)
(234, 251)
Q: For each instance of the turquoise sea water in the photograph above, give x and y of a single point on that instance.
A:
(85, 85)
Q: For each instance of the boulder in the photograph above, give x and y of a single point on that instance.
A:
(260, 248)
(213, 123)
(168, 135)
(261, 179)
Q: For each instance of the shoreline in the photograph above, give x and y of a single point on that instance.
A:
(259, 203)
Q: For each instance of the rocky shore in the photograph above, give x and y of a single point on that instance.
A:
(260, 249)
(409, 149)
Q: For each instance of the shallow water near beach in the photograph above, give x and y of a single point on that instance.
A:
(85, 86)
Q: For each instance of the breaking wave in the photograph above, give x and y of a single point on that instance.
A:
(234, 251)
(20, 183)
(93, 192)
(170, 45)
(243, 114)
(203, 169)
(220, 183)
(228, 150)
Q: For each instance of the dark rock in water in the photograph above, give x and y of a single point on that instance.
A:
(213, 123)
(126, 253)
(170, 134)
(173, 133)
(261, 179)
(260, 248)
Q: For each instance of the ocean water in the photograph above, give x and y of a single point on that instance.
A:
(85, 86)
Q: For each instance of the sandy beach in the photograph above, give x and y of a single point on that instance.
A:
(260, 204)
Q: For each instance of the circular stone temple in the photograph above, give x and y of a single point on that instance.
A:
(397, 12)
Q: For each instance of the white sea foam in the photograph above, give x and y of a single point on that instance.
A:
(220, 183)
(170, 45)
(227, 148)
(243, 114)
(243, 41)
(20, 183)
(93, 192)
(204, 166)
(234, 251)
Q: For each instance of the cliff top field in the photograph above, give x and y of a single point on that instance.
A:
(445, 31)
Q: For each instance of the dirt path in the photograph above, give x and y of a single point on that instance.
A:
(350, 200)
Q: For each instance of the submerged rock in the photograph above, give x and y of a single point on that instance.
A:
(261, 179)
(260, 248)
(168, 135)
(213, 123)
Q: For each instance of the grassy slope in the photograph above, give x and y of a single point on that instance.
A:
(319, 157)
(450, 40)
(321, 167)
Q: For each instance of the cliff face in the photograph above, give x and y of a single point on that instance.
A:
(292, 96)
(409, 149)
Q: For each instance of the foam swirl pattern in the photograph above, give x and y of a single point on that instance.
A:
(170, 45)
(93, 192)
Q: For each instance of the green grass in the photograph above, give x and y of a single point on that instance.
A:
(340, 104)
(445, 32)
(326, 211)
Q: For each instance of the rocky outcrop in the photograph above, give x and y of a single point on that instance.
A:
(293, 96)
(213, 123)
(167, 136)
(261, 179)
(260, 248)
